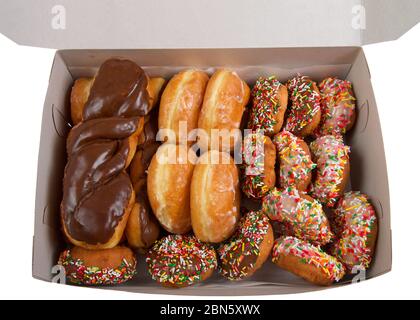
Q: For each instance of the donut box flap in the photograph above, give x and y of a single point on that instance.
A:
(112, 24)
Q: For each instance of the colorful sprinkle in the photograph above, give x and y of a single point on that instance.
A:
(78, 273)
(265, 104)
(306, 102)
(180, 260)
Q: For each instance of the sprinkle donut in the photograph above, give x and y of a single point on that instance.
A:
(248, 248)
(259, 157)
(269, 103)
(298, 210)
(98, 267)
(356, 226)
(307, 261)
(305, 111)
(338, 107)
(295, 161)
(180, 260)
(333, 169)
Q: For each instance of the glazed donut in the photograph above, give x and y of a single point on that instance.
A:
(305, 110)
(78, 97)
(180, 260)
(215, 197)
(223, 106)
(142, 228)
(97, 192)
(333, 169)
(181, 102)
(307, 261)
(356, 226)
(248, 249)
(300, 211)
(338, 107)
(269, 103)
(295, 164)
(98, 267)
(168, 186)
(259, 157)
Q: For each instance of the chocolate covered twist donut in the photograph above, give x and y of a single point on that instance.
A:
(97, 192)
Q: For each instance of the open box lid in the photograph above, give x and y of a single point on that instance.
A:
(113, 24)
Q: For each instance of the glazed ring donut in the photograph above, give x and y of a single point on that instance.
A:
(338, 107)
(305, 110)
(269, 103)
(294, 157)
(333, 169)
(98, 267)
(300, 211)
(180, 260)
(259, 155)
(356, 226)
(248, 249)
(307, 261)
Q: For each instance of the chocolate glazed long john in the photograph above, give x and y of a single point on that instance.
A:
(97, 192)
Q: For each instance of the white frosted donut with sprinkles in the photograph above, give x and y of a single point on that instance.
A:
(356, 226)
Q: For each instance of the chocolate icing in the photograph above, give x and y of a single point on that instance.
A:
(119, 90)
(96, 187)
(148, 223)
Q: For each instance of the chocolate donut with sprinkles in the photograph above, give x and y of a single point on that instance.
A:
(301, 212)
(248, 249)
(304, 113)
(269, 103)
(180, 260)
(259, 158)
(98, 267)
(333, 169)
(295, 164)
(356, 226)
(338, 107)
(307, 261)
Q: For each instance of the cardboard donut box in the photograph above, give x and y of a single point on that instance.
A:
(255, 38)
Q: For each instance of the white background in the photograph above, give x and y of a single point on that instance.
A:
(24, 73)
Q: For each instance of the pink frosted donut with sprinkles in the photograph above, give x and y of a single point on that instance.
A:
(180, 260)
(356, 226)
(333, 169)
(304, 113)
(307, 261)
(98, 267)
(258, 171)
(298, 210)
(295, 164)
(269, 103)
(338, 107)
(248, 249)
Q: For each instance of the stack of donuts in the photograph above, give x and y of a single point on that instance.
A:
(147, 178)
